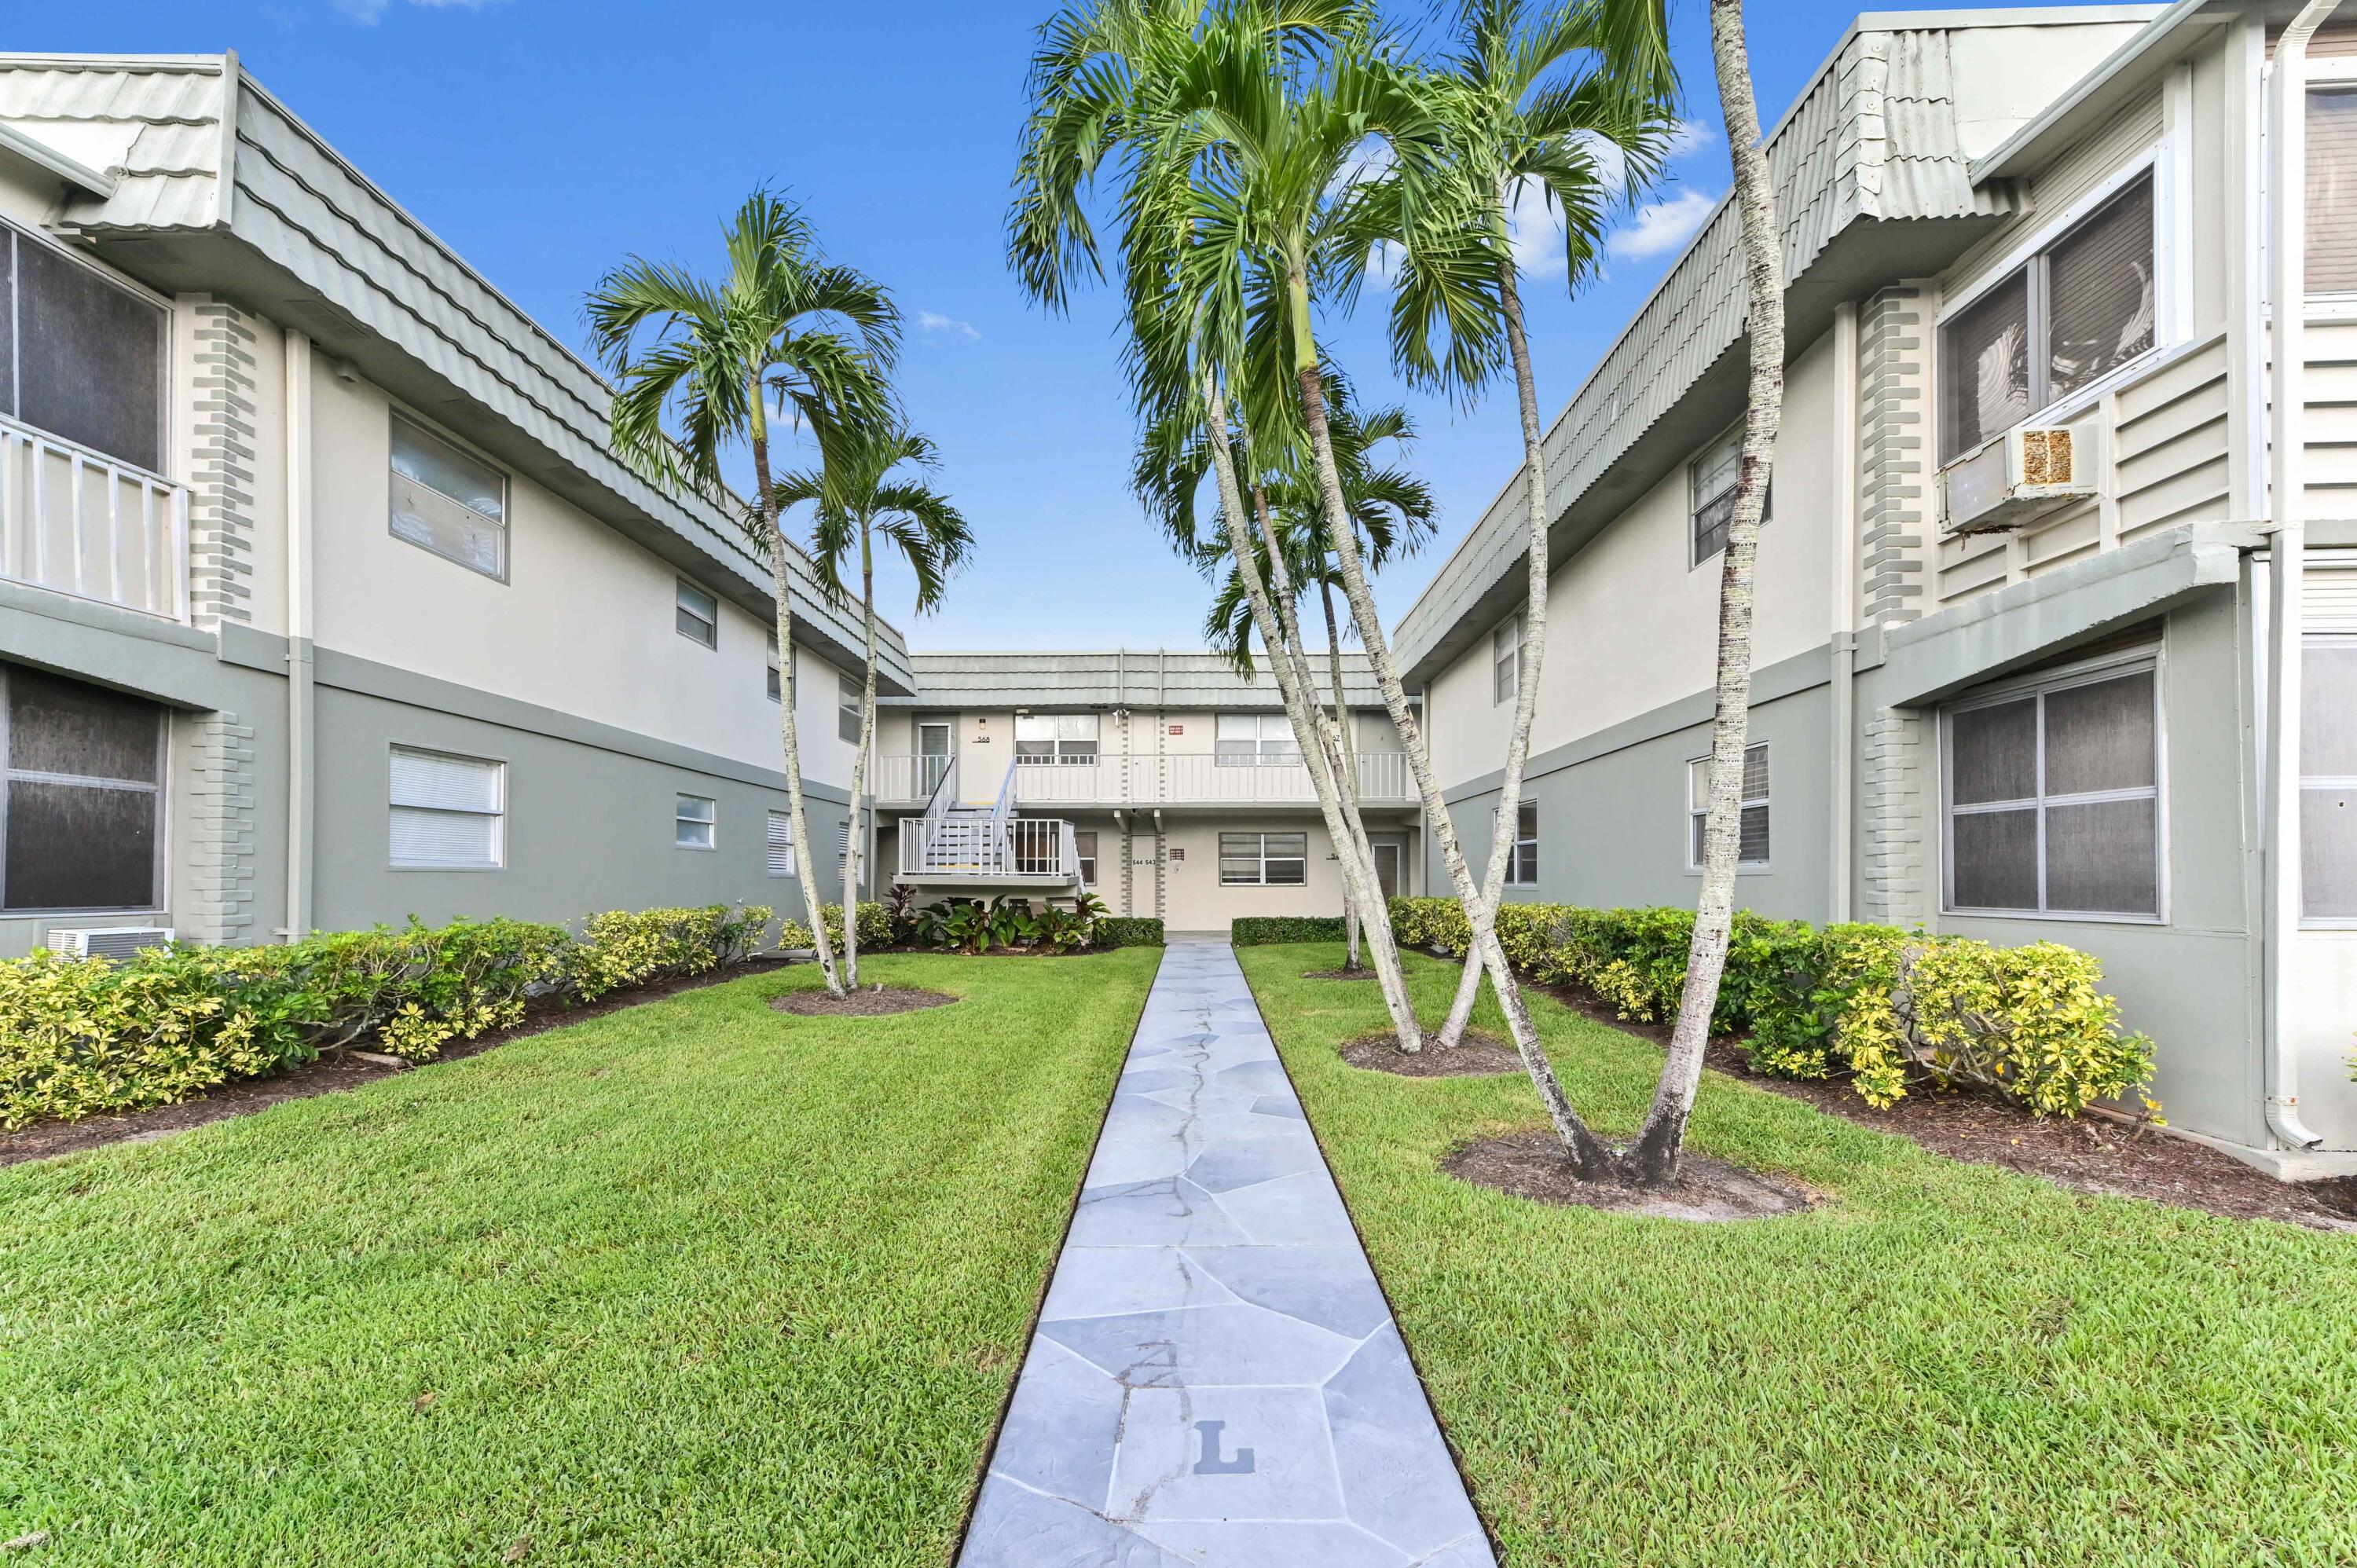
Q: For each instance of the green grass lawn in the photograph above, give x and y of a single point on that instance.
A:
(689, 1282)
(1946, 1364)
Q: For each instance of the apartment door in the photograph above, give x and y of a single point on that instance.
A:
(1387, 869)
(933, 754)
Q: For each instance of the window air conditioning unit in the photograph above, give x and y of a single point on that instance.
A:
(117, 942)
(2031, 472)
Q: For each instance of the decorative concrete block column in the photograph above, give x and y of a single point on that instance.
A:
(219, 831)
(221, 446)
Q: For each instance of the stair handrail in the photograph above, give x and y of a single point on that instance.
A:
(1002, 813)
(937, 804)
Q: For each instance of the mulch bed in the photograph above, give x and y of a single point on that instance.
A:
(332, 1073)
(1479, 1051)
(2085, 1155)
(1361, 972)
(867, 1002)
(1531, 1166)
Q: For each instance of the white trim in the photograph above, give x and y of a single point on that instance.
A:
(2042, 236)
(1768, 802)
(678, 816)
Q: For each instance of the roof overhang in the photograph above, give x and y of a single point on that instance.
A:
(2104, 91)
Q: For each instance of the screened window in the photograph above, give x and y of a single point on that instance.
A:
(82, 795)
(1248, 740)
(2331, 266)
(2079, 308)
(449, 813)
(695, 615)
(1506, 660)
(1523, 855)
(781, 844)
(2054, 799)
(1264, 860)
(1710, 493)
(777, 672)
(80, 357)
(2327, 779)
(449, 502)
(1084, 847)
(1044, 738)
(849, 695)
(695, 822)
(1752, 849)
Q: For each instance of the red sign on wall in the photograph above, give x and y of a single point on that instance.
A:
(1178, 729)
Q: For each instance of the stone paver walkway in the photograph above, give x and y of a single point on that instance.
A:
(1216, 1379)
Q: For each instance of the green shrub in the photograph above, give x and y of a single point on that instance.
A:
(874, 928)
(416, 987)
(1888, 1008)
(1258, 930)
(79, 1037)
(625, 947)
(1127, 931)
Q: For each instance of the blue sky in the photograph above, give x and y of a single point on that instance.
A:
(544, 141)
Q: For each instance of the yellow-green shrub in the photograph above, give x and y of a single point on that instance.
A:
(639, 946)
(874, 928)
(1886, 1007)
(416, 987)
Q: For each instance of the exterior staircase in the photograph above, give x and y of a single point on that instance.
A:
(975, 849)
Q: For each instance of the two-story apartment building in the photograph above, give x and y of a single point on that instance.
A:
(323, 600)
(2014, 631)
(1177, 779)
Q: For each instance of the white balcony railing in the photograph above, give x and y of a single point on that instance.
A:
(83, 524)
(1183, 779)
(975, 845)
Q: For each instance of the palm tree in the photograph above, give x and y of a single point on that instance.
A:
(1654, 1158)
(1392, 511)
(862, 493)
(782, 326)
(1531, 94)
(1115, 85)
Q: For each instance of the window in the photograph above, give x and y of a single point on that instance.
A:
(80, 356)
(781, 844)
(1043, 738)
(1506, 660)
(1248, 740)
(446, 502)
(1084, 847)
(1264, 860)
(1522, 854)
(2331, 265)
(1753, 848)
(849, 694)
(81, 797)
(1710, 493)
(449, 813)
(2053, 799)
(2071, 313)
(695, 822)
(696, 614)
(2327, 779)
(776, 670)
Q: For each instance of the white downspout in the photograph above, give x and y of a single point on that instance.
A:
(302, 744)
(1845, 599)
(2288, 292)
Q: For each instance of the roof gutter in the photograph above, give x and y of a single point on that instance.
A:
(2099, 92)
(2288, 136)
(41, 154)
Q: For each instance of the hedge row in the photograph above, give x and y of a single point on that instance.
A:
(1886, 1007)
(1258, 930)
(875, 928)
(1127, 931)
(79, 1037)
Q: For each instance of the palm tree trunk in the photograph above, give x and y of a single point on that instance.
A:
(1299, 710)
(1653, 1159)
(1349, 763)
(855, 843)
(781, 584)
(1590, 1157)
(1503, 832)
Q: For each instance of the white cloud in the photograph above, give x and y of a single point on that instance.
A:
(931, 321)
(368, 13)
(1659, 226)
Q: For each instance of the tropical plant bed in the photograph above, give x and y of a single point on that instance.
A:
(2088, 1154)
(335, 1071)
(1531, 1165)
(1479, 1051)
(674, 1283)
(1944, 1363)
(867, 1002)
